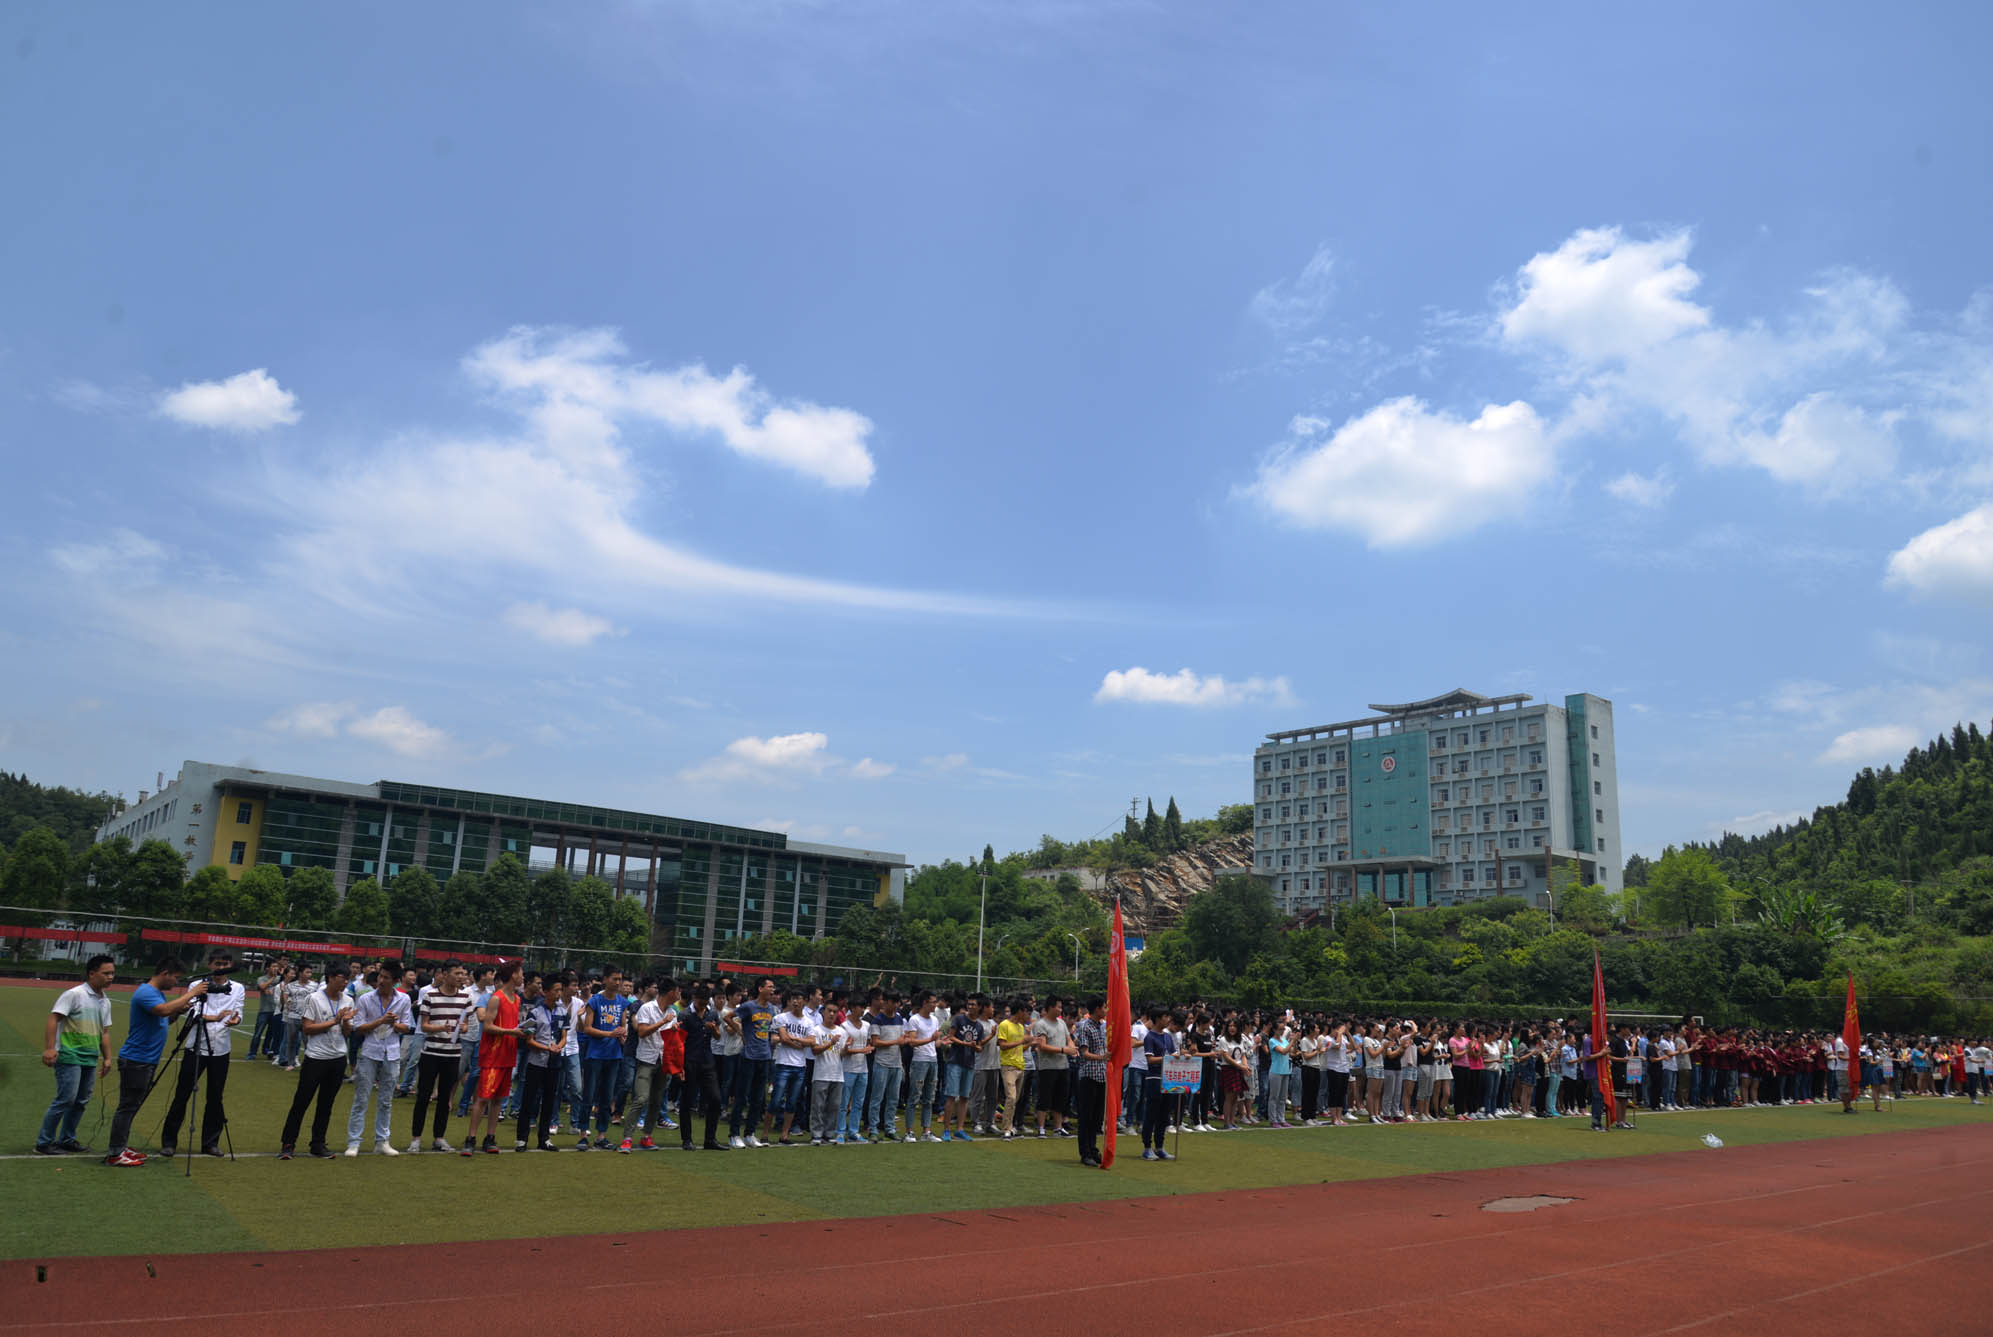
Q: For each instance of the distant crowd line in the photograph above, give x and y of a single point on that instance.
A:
(556, 1054)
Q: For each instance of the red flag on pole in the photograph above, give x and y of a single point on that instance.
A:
(1851, 1035)
(1602, 1041)
(1120, 1035)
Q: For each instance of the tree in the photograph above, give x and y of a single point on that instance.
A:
(1235, 819)
(547, 906)
(1637, 868)
(413, 902)
(507, 891)
(989, 859)
(1232, 922)
(588, 914)
(211, 896)
(1686, 888)
(37, 870)
(457, 906)
(364, 912)
(1172, 827)
(314, 899)
(629, 930)
(1152, 828)
(157, 885)
(260, 897)
(105, 874)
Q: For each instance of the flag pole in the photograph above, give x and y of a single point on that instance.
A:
(1120, 1040)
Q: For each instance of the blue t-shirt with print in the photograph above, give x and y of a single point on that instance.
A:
(757, 1022)
(606, 1011)
(1157, 1042)
(145, 1039)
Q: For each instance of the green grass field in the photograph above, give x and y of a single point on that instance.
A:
(75, 1206)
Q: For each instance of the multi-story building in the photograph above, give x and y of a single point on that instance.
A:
(703, 884)
(1439, 802)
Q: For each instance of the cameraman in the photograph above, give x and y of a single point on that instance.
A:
(145, 1042)
(207, 1046)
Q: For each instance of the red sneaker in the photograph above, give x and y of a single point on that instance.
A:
(646, 1144)
(625, 1148)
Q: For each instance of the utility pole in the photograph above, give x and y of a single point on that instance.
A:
(1076, 955)
(982, 906)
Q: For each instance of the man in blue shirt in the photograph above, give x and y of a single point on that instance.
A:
(604, 1022)
(756, 1020)
(1157, 1045)
(145, 1043)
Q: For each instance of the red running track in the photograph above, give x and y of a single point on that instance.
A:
(1894, 1229)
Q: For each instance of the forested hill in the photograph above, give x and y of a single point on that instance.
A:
(1911, 826)
(70, 813)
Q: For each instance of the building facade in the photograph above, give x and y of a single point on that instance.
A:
(703, 884)
(1439, 802)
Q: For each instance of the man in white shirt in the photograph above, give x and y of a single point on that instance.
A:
(1136, 1071)
(207, 1050)
(657, 1014)
(323, 1062)
(921, 1028)
(380, 1018)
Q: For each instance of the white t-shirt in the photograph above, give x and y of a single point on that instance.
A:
(212, 1008)
(650, 1048)
(575, 1007)
(923, 1030)
(730, 1041)
(830, 1066)
(856, 1036)
(1137, 1059)
(327, 1043)
(799, 1028)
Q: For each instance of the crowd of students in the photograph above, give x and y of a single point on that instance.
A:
(534, 1059)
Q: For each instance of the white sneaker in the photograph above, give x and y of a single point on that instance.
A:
(352, 1151)
(415, 1147)
(441, 1145)
(909, 1138)
(930, 1137)
(754, 1141)
(383, 1149)
(736, 1143)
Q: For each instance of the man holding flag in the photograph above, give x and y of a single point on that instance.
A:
(1120, 1042)
(1851, 1038)
(1605, 1048)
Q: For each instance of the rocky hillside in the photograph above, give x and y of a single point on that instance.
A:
(1152, 898)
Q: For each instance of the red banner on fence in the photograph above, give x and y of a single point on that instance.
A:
(260, 944)
(741, 969)
(60, 934)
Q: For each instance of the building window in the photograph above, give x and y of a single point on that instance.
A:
(1536, 757)
(237, 852)
(1508, 734)
(1513, 842)
(243, 812)
(1597, 788)
(1595, 759)
(1510, 815)
(1598, 814)
(1266, 861)
(1322, 758)
(1601, 844)
(1286, 786)
(1266, 813)
(1536, 841)
(1536, 786)
(1595, 731)
(1286, 860)
(1283, 884)
(1284, 812)
(1460, 766)
(1285, 762)
(1467, 875)
(1441, 796)
(1266, 766)
(1515, 873)
(1340, 780)
(1536, 813)
(1339, 756)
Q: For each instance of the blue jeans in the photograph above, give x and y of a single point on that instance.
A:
(468, 1066)
(73, 1084)
(750, 1094)
(572, 1090)
(854, 1103)
(955, 1083)
(626, 1077)
(293, 1037)
(1667, 1086)
(1131, 1097)
(884, 1099)
(411, 1059)
(920, 1094)
(1551, 1083)
(372, 1077)
(598, 1086)
(792, 1092)
(263, 1040)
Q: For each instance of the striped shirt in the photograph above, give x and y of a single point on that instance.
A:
(1090, 1037)
(449, 1009)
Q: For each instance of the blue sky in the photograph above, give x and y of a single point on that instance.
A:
(921, 425)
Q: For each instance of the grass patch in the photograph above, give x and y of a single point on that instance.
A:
(75, 1206)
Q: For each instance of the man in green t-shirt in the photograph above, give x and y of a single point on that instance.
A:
(73, 1045)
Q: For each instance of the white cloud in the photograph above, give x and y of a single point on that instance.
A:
(1643, 490)
(1292, 305)
(558, 501)
(249, 402)
(558, 626)
(577, 383)
(1186, 688)
(123, 552)
(1599, 296)
(953, 761)
(780, 759)
(1872, 745)
(1403, 474)
(1824, 443)
(394, 728)
(312, 719)
(1952, 560)
(1755, 823)
(867, 769)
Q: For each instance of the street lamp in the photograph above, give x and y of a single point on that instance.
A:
(982, 904)
(1076, 955)
(1393, 911)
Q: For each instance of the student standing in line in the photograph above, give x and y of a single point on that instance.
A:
(1054, 1043)
(700, 1088)
(439, 1018)
(1090, 1047)
(657, 1012)
(921, 1029)
(380, 1019)
(323, 1066)
(1157, 1045)
(498, 1052)
(544, 1032)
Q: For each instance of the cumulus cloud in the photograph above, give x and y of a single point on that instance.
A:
(1646, 491)
(1292, 305)
(1404, 474)
(867, 769)
(558, 626)
(1872, 745)
(1600, 296)
(251, 401)
(392, 727)
(1953, 560)
(1187, 688)
(782, 759)
(121, 552)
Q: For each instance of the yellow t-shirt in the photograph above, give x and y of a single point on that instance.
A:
(1009, 1033)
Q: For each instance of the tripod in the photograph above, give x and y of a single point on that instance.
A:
(200, 1052)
